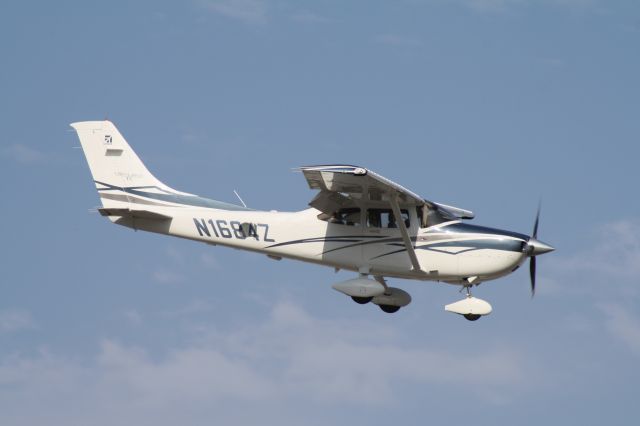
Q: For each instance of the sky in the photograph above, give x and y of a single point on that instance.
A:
(489, 105)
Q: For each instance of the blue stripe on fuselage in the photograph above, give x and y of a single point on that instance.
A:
(465, 228)
(189, 200)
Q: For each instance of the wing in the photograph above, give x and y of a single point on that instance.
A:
(342, 185)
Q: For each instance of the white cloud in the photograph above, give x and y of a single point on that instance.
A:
(623, 325)
(23, 154)
(165, 276)
(209, 261)
(334, 364)
(133, 316)
(397, 40)
(189, 374)
(193, 308)
(575, 3)
(288, 356)
(493, 6)
(175, 255)
(249, 11)
(619, 248)
(605, 272)
(310, 17)
(610, 260)
(12, 320)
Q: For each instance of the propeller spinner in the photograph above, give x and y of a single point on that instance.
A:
(535, 248)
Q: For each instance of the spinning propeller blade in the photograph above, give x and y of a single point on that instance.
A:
(535, 248)
(532, 274)
(535, 224)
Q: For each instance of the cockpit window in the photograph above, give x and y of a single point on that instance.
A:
(421, 219)
(348, 216)
(434, 217)
(384, 218)
(430, 217)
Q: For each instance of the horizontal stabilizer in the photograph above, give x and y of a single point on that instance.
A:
(142, 214)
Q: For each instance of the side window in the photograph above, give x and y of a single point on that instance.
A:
(384, 218)
(349, 217)
(422, 220)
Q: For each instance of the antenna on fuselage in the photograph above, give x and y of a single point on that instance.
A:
(239, 198)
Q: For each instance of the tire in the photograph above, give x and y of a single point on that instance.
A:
(472, 317)
(389, 308)
(361, 300)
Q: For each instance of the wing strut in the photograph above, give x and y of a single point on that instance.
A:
(403, 230)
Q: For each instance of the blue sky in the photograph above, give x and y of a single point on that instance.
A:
(484, 104)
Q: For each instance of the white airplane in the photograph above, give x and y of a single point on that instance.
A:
(358, 221)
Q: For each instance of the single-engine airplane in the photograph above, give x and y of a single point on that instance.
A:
(358, 221)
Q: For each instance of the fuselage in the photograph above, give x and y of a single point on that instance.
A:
(450, 251)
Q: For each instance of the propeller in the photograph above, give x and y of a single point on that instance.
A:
(535, 248)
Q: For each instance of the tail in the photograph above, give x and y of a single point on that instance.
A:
(122, 180)
(115, 167)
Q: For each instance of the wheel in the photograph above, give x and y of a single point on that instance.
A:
(389, 308)
(361, 300)
(472, 317)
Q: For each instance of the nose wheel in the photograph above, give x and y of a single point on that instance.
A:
(471, 308)
(467, 289)
(472, 317)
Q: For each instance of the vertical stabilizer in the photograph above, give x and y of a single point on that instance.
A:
(110, 158)
(115, 167)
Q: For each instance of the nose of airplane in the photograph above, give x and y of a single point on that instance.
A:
(537, 247)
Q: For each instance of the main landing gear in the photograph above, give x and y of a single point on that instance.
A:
(392, 299)
(364, 290)
(390, 309)
(361, 300)
(379, 300)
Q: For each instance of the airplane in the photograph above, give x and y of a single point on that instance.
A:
(358, 221)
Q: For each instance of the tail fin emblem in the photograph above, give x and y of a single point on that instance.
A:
(107, 139)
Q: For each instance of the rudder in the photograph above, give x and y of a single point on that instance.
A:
(113, 163)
